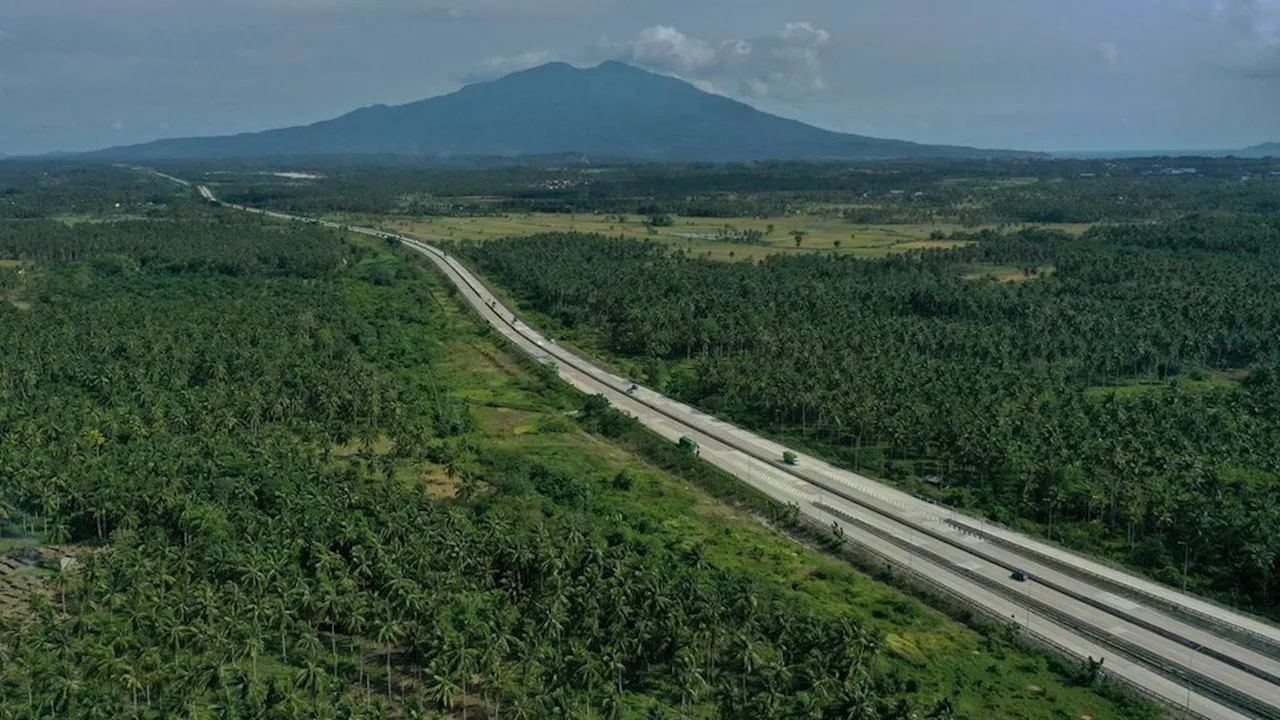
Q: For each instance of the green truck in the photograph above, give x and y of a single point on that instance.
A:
(789, 458)
(689, 445)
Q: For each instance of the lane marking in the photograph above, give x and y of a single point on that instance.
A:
(1116, 601)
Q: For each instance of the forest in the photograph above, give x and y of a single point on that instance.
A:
(973, 193)
(270, 494)
(1116, 392)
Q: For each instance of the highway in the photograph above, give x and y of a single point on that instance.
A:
(1209, 661)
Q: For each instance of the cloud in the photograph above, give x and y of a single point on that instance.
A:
(1256, 24)
(784, 66)
(495, 67)
(1110, 53)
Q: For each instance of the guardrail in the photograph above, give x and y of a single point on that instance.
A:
(1178, 672)
(1262, 644)
(1028, 634)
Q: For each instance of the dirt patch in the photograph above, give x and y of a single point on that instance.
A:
(28, 570)
(1007, 274)
(719, 511)
(440, 486)
(381, 446)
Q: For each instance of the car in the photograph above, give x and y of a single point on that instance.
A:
(1018, 575)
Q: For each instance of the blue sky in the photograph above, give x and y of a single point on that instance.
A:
(1034, 74)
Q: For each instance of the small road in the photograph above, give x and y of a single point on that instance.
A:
(1188, 653)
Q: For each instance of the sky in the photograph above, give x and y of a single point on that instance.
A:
(1026, 74)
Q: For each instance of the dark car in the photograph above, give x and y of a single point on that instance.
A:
(1019, 576)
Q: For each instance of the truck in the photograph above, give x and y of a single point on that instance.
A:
(789, 458)
(689, 445)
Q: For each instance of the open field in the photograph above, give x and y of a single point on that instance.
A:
(699, 236)
(1137, 388)
(1007, 273)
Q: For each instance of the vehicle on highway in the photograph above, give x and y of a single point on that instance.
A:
(1018, 575)
(632, 390)
(690, 445)
(789, 458)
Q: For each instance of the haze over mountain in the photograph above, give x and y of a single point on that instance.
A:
(1271, 149)
(611, 112)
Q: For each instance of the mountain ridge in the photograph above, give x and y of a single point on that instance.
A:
(613, 110)
(1262, 150)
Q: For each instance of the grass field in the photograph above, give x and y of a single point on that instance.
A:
(1007, 273)
(985, 676)
(1134, 388)
(698, 236)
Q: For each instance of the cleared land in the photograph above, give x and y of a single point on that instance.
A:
(715, 238)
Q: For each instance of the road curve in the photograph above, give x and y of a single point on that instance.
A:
(1193, 661)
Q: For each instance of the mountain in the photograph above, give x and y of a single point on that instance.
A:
(614, 111)
(1271, 149)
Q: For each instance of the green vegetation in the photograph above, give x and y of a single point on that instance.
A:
(267, 470)
(712, 238)
(939, 194)
(915, 367)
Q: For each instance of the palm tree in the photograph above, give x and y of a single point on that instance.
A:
(749, 656)
(357, 621)
(311, 678)
(390, 631)
(442, 691)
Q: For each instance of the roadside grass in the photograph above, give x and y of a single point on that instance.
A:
(934, 656)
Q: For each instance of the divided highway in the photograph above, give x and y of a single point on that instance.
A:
(1209, 661)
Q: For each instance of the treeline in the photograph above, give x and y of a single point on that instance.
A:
(969, 192)
(1023, 399)
(231, 246)
(30, 190)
